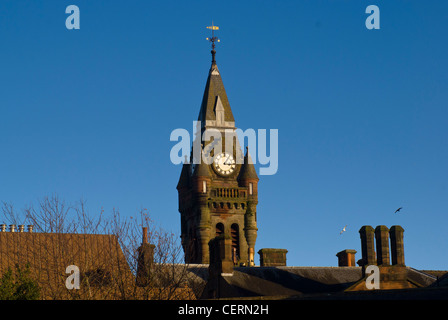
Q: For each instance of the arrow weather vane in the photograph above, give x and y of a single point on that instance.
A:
(213, 39)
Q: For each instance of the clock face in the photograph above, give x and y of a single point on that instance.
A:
(224, 164)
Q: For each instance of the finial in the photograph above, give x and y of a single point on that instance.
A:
(212, 40)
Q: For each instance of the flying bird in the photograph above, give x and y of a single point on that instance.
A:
(343, 230)
(398, 209)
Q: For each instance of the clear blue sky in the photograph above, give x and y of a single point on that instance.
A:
(362, 114)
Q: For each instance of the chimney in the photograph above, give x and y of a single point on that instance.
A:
(346, 258)
(30, 228)
(21, 227)
(12, 228)
(145, 260)
(145, 235)
(221, 263)
(272, 257)
(397, 245)
(382, 245)
(220, 268)
(3, 227)
(367, 245)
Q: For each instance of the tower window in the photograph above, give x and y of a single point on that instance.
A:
(204, 186)
(235, 235)
(219, 229)
(250, 188)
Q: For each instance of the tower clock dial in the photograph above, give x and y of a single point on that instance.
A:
(224, 164)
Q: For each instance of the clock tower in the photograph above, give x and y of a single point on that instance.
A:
(217, 188)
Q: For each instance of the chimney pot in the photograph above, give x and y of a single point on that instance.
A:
(3, 227)
(346, 258)
(145, 235)
(21, 227)
(12, 228)
(30, 228)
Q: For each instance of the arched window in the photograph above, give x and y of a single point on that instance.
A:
(219, 229)
(235, 235)
(193, 247)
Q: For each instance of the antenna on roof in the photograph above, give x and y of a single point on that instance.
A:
(213, 39)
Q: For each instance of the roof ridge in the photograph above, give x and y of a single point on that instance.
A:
(423, 273)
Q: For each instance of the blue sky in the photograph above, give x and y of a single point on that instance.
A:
(362, 114)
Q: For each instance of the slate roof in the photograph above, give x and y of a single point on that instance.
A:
(298, 281)
(278, 281)
(184, 178)
(248, 169)
(214, 88)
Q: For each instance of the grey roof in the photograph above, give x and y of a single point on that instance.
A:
(441, 281)
(184, 178)
(213, 89)
(248, 169)
(299, 281)
(202, 170)
(294, 280)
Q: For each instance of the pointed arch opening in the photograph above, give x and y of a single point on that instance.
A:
(235, 235)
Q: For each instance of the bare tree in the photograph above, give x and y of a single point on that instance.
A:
(104, 247)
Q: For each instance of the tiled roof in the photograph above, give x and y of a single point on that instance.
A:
(104, 270)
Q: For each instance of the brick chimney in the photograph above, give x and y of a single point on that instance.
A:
(272, 257)
(220, 268)
(382, 245)
(367, 246)
(346, 258)
(220, 256)
(145, 260)
(397, 245)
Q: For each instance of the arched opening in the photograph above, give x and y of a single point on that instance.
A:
(219, 229)
(193, 247)
(235, 235)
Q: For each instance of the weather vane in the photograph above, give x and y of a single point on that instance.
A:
(213, 39)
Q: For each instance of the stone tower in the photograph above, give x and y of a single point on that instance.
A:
(219, 196)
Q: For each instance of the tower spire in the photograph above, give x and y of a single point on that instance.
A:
(213, 39)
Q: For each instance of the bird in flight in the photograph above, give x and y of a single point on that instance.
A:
(398, 209)
(343, 230)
